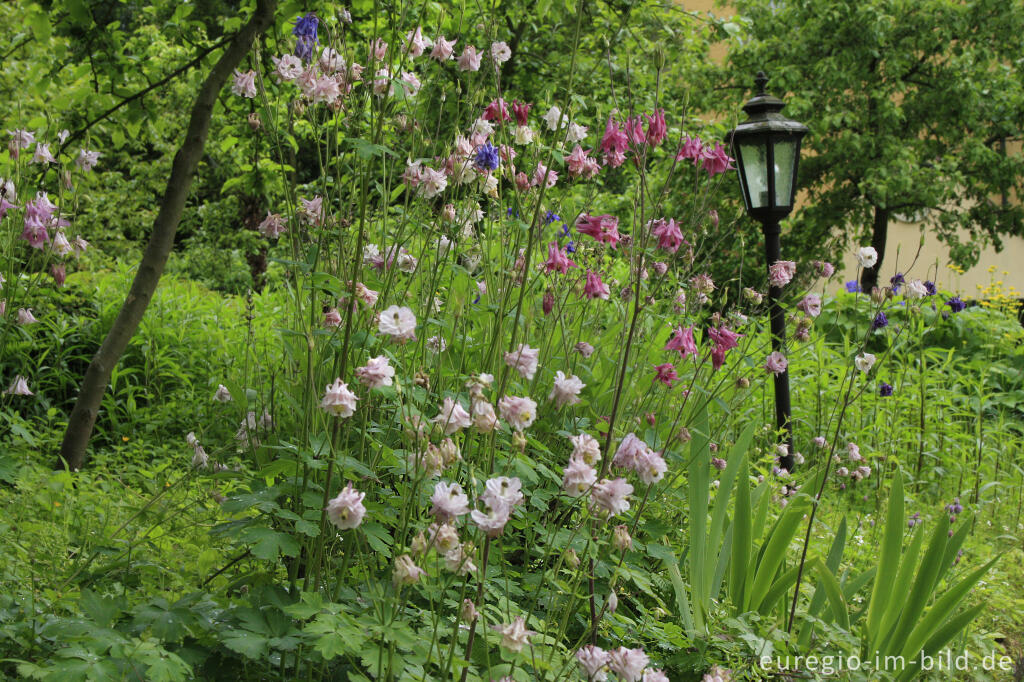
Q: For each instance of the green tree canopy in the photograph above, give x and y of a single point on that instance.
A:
(912, 105)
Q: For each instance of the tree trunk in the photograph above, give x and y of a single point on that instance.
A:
(83, 416)
(879, 233)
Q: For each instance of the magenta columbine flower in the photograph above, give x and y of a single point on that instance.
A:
(604, 228)
(557, 260)
(682, 341)
(595, 288)
(666, 373)
(346, 511)
(669, 236)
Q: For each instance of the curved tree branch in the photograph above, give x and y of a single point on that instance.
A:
(83, 416)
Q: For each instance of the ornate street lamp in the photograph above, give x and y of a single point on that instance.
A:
(767, 150)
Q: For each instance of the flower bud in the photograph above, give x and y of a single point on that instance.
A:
(549, 302)
(621, 539)
(468, 612)
(743, 382)
(571, 558)
(613, 602)
(254, 121)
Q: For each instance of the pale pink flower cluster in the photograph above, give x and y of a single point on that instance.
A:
(780, 273)
(346, 511)
(514, 636)
(776, 363)
(524, 360)
(518, 412)
(449, 502)
(452, 417)
(244, 84)
(338, 400)
(566, 390)
(634, 454)
(399, 323)
(273, 226)
(500, 497)
(611, 496)
(377, 372)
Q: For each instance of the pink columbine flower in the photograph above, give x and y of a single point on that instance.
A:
(653, 675)
(287, 68)
(332, 318)
(79, 246)
(87, 160)
(25, 316)
(578, 477)
(411, 82)
(406, 571)
(493, 521)
(518, 412)
(443, 49)
(776, 363)
(611, 496)
(338, 400)
(586, 448)
(452, 417)
(682, 341)
(19, 387)
(670, 237)
(593, 660)
(273, 226)
(346, 511)
(377, 372)
(497, 110)
(399, 323)
(584, 349)
(628, 664)
(603, 228)
(566, 390)
(780, 273)
(244, 84)
(449, 501)
(666, 373)
(544, 176)
(614, 143)
(514, 636)
(432, 183)
(42, 154)
(416, 44)
(60, 245)
(630, 448)
(524, 360)
(557, 260)
(810, 304)
(724, 337)
(594, 287)
(576, 162)
(635, 131)
(500, 52)
(656, 127)
(222, 395)
(469, 60)
(59, 273)
(650, 466)
(715, 160)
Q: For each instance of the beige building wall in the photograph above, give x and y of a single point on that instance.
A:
(1004, 270)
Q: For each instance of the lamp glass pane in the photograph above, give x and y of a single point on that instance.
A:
(785, 160)
(754, 158)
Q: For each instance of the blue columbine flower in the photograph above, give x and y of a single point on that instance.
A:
(565, 230)
(570, 247)
(896, 281)
(880, 321)
(884, 390)
(929, 286)
(487, 156)
(853, 286)
(551, 217)
(955, 304)
(305, 31)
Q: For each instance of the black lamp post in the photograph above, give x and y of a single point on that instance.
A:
(767, 149)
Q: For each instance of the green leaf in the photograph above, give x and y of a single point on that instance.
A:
(888, 563)
(830, 586)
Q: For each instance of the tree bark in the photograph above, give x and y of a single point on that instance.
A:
(97, 376)
(879, 233)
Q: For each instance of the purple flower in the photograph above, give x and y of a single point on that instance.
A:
(880, 321)
(884, 390)
(305, 31)
(853, 287)
(551, 217)
(487, 156)
(929, 287)
(896, 281)
(956, 305)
